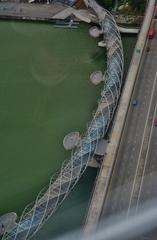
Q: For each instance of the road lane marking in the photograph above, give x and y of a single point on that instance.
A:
(142, 143)
(146, 158)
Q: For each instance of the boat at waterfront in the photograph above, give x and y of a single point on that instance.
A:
(66, 24)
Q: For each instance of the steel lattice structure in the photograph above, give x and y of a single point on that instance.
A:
(35, 215)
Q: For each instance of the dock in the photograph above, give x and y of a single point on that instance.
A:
(35, 11)
(50, 13)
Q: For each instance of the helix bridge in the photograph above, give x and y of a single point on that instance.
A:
(48, 200)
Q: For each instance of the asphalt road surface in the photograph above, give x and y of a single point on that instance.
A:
(134, 179)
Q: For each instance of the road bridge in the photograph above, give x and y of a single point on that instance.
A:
(128, 144)
(139, 135)
(134, 176)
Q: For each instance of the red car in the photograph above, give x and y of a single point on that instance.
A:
(155, 122)
(151, 30)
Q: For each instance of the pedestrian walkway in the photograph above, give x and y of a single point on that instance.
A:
(13, 10)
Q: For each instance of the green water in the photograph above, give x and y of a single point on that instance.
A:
(45, 93)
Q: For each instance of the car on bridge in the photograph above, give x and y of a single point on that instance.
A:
(134, 102)
(151, 30)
